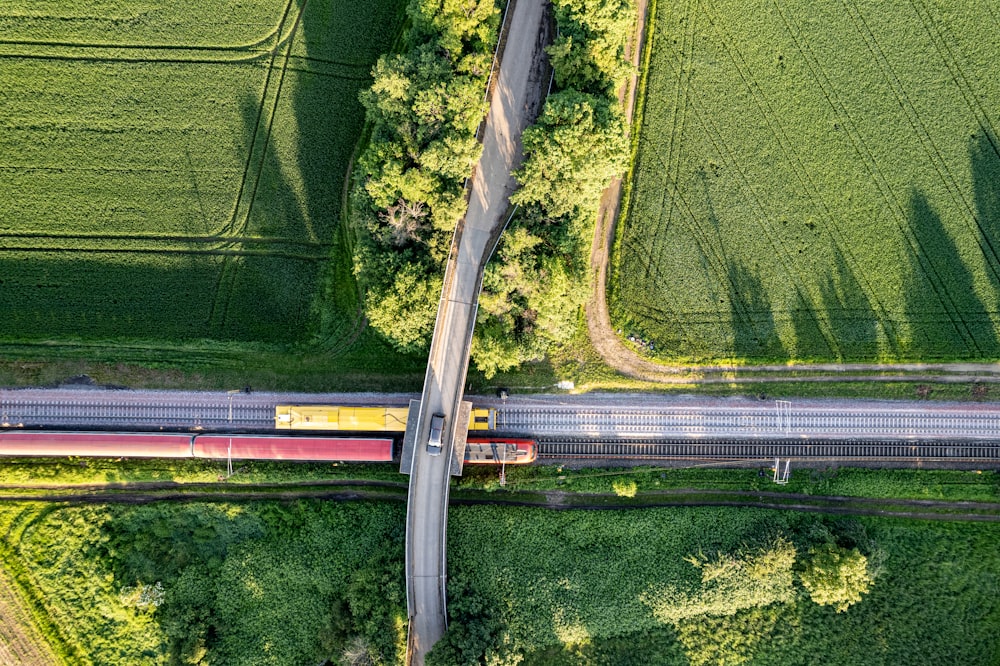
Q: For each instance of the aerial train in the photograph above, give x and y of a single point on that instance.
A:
(336, 418)
(347, 435)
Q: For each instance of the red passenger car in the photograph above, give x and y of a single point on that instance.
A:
(43, 444)
(317, 449)
(495, 451)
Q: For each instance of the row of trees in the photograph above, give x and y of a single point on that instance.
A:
(534, 288)
(423, 109)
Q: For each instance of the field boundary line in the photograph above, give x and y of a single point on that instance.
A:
(275, 30)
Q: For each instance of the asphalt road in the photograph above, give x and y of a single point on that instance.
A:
(492, 183)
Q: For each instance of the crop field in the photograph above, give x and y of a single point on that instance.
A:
(173, 171)
(816, 180)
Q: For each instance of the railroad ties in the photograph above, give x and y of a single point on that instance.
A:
(130, 412)
(844, 450)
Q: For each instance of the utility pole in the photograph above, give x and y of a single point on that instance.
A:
(229, 453)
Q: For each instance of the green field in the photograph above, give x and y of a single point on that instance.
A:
(816, 181)
(573, 587)
(172, 171)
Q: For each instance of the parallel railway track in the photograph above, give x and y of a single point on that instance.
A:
(569, 449)
(762, 422)
(676, 430)
(80, 413)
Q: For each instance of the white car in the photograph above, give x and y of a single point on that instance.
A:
(434, 440)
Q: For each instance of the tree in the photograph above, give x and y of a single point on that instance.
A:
(730, 583)
(403, 307)
(574, 150)
(835, 576)
(455, 24)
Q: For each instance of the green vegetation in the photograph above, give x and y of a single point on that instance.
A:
(78, 471)
(835, 576)
(534, 287)
(240, 582)
(259, 583)
(173, 180)
(533, 586)
(815, 181)
(637, 482)
(423, 109)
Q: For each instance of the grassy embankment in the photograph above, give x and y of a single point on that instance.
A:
(173, 189)
(815, 190)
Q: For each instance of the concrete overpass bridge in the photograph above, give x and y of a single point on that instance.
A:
(514, 102)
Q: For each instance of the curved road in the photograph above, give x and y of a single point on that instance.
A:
(512, 105)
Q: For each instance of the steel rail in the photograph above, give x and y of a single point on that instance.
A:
(870, 450)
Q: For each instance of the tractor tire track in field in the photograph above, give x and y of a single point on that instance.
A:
(804, 176)
(154, 238)
(20, 640)
(674, 149)
(226, 284)
(251, 51)
(627, 361)
(871, 166)
(764, 222)
(921, 131)
(935, 30)
(214, 252)
(109, 45)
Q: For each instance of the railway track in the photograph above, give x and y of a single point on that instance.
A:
(753, 423)
(956, 451)
(102, 414)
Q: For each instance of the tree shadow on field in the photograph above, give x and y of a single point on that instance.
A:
(984, 158)
(853, 322)
(810, 343)
(754, 332)
(940, 296)
(294, 282)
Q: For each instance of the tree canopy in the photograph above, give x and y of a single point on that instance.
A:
(534, 288)
(835, 576)
(423, 108)
(571, 154)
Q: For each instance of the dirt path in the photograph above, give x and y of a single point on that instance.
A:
(627, 361)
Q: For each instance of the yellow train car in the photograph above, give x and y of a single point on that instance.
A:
(368, 419)
(328, 417)
(483, 419)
